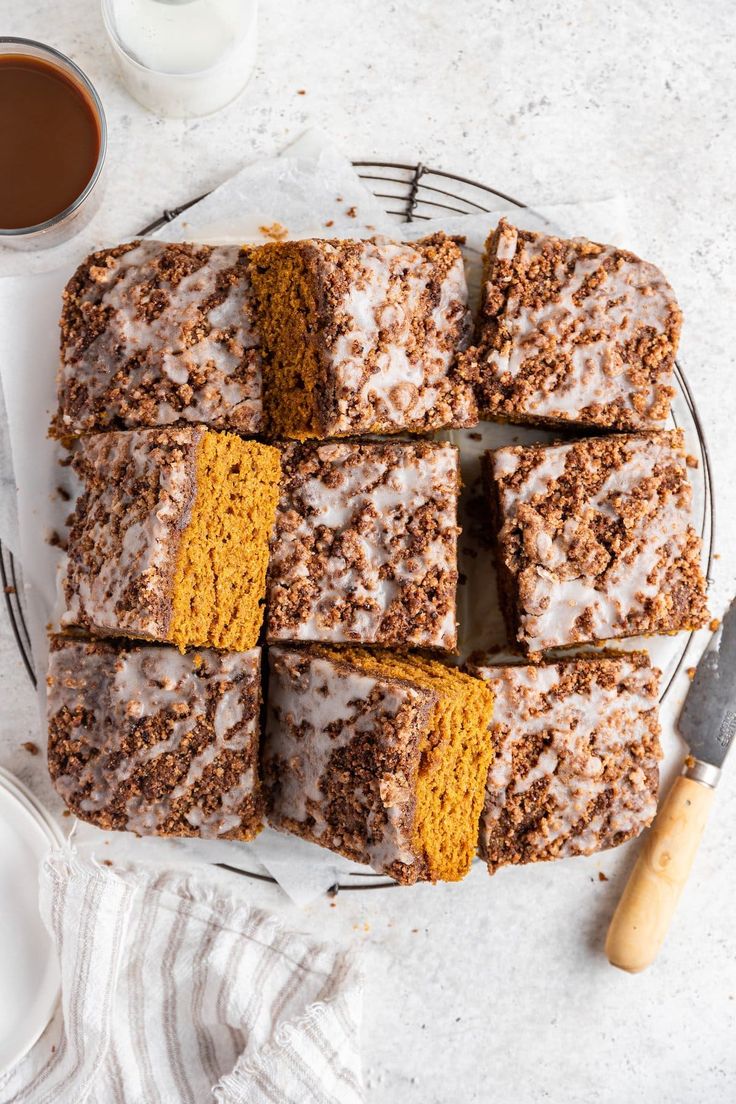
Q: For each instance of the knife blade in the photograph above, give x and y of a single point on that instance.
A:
(708, 718)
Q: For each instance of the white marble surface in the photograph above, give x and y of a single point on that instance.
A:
(493, 990)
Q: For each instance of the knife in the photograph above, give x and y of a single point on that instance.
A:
(708, 724)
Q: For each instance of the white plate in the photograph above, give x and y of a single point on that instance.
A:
(29, 974)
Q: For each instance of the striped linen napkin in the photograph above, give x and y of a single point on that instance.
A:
(175, 990)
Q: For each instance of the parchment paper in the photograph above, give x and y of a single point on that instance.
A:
(311, 190)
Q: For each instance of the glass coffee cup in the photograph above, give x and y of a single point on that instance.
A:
(54, 143)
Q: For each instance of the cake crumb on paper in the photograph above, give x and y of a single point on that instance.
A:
(275, 231)
(56, 540)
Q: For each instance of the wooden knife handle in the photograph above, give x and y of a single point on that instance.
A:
(643, 915)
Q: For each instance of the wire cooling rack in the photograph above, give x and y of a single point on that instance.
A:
(409, 193)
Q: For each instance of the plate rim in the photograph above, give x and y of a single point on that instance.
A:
(48, 1002)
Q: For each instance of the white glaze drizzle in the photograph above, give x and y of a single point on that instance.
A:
(626, 298)
(377, 491)
(555, 598)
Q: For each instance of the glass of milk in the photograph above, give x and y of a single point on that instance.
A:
(183, 57)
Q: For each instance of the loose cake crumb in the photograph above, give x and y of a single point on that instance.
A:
(30, 747)
(276, 231)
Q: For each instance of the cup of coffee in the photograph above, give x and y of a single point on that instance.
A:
(53, 137)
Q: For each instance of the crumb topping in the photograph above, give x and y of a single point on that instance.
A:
(147, 740)
(364, 546)
(594, 539)
(574, 331)
(154, 333)
(576, 757)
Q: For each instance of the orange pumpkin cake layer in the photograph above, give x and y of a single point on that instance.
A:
(169, 540)
(382, 758)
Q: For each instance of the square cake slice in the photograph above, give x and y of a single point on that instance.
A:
(144, 739)
(576, 750)
(169, 539)
(573, 332)
(155, 333)
(594, 541)
(362, 336)
(379, 757)
(364, 548)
